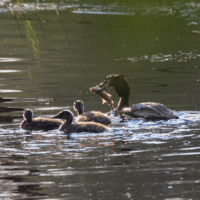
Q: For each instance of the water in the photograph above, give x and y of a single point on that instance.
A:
(52, 52)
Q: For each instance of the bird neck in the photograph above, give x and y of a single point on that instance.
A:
(123, 91)
(80, 112)
(123, 101)
(29, 120)
(67, 122)
(69, 119)
(80, 109)
(28, 115)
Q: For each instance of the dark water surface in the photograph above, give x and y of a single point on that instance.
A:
(52, 52)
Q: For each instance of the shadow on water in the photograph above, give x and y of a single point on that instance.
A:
(4, 99)
(5, 109)
(9, 118)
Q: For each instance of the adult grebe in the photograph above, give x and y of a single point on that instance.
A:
(147, 110)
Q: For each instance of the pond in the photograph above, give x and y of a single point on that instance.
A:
(52, 52)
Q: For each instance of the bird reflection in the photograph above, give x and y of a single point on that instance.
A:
(9, 118)
(5, 109)
(4, 100)
(28, 136)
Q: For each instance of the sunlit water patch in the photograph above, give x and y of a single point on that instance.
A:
(132, 148)
(11, 71)
(10, 91)
(140, 129)
(11, 60)
(177, 57)
(101, 12)
(180, 9)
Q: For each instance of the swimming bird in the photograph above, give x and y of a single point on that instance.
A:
(95, 116)
(78, 127)
(38, 123)
(146, 110)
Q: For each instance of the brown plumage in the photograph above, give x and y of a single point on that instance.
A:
(92, 116)
(147, 110)
(78, 127)
(38, 123)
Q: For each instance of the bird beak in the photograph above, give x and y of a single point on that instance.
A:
(102, 85)
(56, 116)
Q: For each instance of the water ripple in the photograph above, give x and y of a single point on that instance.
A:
(11, 71)
(179, 56)
(11, 59)
(10, 91)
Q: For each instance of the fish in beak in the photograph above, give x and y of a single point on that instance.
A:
(104, 85)
(106, 97)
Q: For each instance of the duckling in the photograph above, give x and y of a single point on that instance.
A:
(38, 123)
(78, 127)
(95, 116)
(146, 110)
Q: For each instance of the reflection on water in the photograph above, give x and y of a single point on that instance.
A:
(183, 9)
(180, 57)
(8, 91)
(53, 52)
(89, 164)
(32, 38)
(10, 60)
(138, 153)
